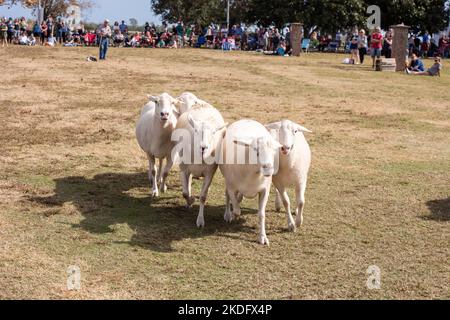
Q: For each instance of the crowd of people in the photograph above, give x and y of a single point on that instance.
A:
(269, 40)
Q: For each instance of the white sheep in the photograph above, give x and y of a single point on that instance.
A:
(187, 101)
(154, 131)
(248, 170)
(294, 164)
(202, 129)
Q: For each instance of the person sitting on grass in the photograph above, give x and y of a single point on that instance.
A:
(51, 41)
(135, 41)
(23, 40)
(416, 65)
(281, 50)
(31, 40)
(435, 69)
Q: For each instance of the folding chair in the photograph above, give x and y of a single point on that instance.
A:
(305, 45)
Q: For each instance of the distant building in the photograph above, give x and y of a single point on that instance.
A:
(73, 16)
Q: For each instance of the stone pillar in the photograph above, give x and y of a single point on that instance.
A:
(296, 39)
(400, 45)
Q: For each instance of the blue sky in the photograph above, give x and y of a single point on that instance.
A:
(111, 9)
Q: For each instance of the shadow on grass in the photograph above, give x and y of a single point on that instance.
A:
(106, 200)
(440, 210)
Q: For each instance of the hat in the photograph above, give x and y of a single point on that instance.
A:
(106, 20)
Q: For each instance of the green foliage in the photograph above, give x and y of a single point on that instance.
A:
(327, 15)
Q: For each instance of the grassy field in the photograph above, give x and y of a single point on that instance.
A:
(74, 191)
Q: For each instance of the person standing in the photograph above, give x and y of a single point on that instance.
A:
(37, 31)
(44, 32)
(123, 27)
(59, 25)
(50, 27)
(426, 44)
(180, 33)
(3, 32)
(362, 45)
(387, 45)
(376, 43)
(16, 29)
(64, 32)
(354, 42)
(105, 34)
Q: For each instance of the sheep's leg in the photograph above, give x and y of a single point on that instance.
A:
(287, 206)
(186, 179)
(263, 198)
(232, 196)
(300, 192)
(165, 174)
(240, 197)
(152, 175)
(228, 217)
(277, 201)
(160, 170)
(203, 195)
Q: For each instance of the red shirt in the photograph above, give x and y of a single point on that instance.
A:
(379, 44)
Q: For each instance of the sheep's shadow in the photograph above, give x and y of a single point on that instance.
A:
(440, 210)
(106, 200)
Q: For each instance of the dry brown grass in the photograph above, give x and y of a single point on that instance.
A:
(74, 190)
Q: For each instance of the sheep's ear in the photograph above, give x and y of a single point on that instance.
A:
(153, 98)
(191, 121)
(275, 144)
(302, 129)
(273, 126)
(177, 103)
(243, 141)
(221, 127)
(176, 111)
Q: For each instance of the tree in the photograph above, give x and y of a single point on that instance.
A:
(326, 15)
(54, 8)
(421, 15)
(201, 12)
(133, 23)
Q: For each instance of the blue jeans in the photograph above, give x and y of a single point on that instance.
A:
(104, 44)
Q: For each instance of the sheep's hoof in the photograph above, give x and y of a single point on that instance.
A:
(299, 221)
(278, 209)
(163, 188)
(292, 227)
(190, 201)
(155, 194)
(228, 216)
(200, 222)
(263, 240)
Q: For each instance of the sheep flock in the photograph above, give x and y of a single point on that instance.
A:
(192, 134)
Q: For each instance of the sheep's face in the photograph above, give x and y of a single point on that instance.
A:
(287, 137)
(204, 137)
(187, 103)
(285, 133)
(264, 150)
(165, 106)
